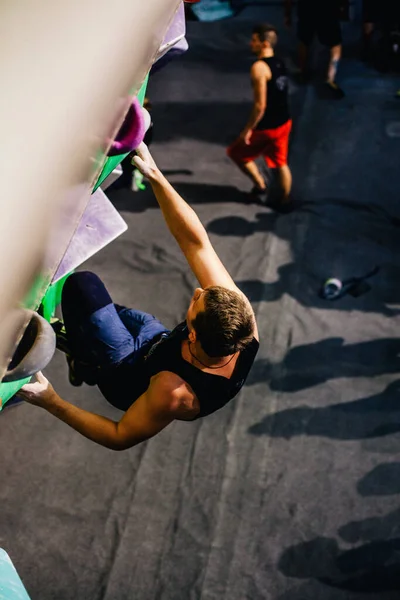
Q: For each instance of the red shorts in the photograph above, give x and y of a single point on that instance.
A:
(272, 144)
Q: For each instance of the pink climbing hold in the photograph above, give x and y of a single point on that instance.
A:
(132, 131)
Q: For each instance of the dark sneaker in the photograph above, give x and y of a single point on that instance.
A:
(283, 208)
(73, 376)
(335, 91)
(61, 336)
(79, 372)
(258, 195)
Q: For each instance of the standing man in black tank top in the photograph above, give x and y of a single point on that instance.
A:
(155, 375)
(268, 128)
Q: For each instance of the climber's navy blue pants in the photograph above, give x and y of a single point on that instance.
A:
(99, 332)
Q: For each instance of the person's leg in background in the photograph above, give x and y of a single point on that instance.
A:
(285, 182)
(393, 31)
(244, 155)
(373, 16)
(276, 158)
(253, 172)
(368, 29)
(370, 16)
(334, 59)
(387, 25)
(330, 35)
(305, 33)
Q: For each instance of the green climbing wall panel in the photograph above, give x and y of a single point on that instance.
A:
(50, 296)
(113, 161)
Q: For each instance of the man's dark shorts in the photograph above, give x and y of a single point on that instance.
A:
(323, 25)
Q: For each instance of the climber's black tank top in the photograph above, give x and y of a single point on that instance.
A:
(132, 378)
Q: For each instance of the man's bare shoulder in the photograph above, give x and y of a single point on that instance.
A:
(260, 69)
(174, 393)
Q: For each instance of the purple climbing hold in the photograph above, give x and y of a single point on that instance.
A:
(132, 131)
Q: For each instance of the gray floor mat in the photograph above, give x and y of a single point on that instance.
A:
(291, 492)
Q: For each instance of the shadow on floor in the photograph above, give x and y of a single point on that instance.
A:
(207, 121)
(332, 221)
(137, 202)
(373, 567)
(371, 417)
(309, 365)
(330, 210)
(372, 529)
(383, 480)
(305, 288)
